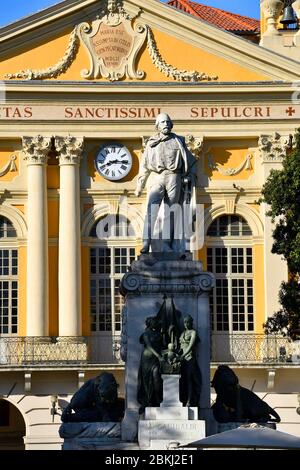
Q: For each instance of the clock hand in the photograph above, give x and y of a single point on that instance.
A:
(114, 162)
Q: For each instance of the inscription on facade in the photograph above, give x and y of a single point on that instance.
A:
(144, 113)
(112, 44)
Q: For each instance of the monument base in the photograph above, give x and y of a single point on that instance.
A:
(164, 434)
(170, 425)
(179, 283)
(90, 436)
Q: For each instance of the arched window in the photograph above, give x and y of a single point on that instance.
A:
(230, 258)
(8, 278)
(112, 251)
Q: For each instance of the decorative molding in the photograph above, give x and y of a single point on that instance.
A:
(10, 166)
(124, 334)
(170, 71)
(56, 70)
(130, 211)
(17, 218)
(161, 277)
(36, 149)
(195, 145)
(114, 206)
(250, 215)
(273, 148)
(81, 378)
(230, 205)
(70, 149)
(245, 165)
(113, 44)
(27, 382)
(271, 379)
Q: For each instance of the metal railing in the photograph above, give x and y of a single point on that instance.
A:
(251, 348)
(47, 351)
(104, 349)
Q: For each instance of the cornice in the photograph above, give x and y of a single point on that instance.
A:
(75, 87)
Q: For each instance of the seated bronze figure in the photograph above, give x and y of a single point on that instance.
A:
(238, 404)
(96, 401)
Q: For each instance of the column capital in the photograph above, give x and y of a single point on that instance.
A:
(274, 148)
(36, 149)
(70, 149)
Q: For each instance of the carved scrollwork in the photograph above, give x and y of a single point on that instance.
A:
(36, 149)
(10, 166)
(113, 44)
(195, 145)
(54, 71)
(70, 149)
(206, 281)
(274, 147)
(131, 282)
(169, 70)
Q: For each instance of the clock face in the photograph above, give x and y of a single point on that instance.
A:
(113, 161)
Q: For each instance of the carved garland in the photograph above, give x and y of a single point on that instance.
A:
(169, 70)
(72, 49)
(246, 164)
(10, 166)
(56, 70)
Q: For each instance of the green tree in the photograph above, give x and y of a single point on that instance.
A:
(282, 193)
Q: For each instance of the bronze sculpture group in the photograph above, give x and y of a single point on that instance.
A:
(158, 359)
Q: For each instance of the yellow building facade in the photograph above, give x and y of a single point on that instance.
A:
(83, 76)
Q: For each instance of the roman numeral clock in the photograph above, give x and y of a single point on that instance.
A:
(113, 161)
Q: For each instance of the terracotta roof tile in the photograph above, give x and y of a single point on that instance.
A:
(220, 18)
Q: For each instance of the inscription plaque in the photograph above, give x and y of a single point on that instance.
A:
(113, 43)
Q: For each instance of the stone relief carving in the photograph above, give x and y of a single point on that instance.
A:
(195, 145)
(36, 149)
(169, 70)
(113, 44)
(9, 166)
(52, 72)
(70, 149)
(274, 147)
(245, 165)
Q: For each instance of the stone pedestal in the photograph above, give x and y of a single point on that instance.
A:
(171, 423)
(90, 436)
(151, 278)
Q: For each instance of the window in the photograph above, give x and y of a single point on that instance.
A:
(230, 258)
(8, 279)
(109, 259)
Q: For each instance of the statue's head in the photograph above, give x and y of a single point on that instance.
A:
(224, 380)
(164, 123)
(106, 388)
(188, 321)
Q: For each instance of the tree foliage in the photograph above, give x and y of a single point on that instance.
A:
(282, 193)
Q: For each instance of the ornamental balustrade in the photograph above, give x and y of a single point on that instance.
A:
(104, 349)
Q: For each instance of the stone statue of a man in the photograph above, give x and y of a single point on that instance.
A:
(172, 172)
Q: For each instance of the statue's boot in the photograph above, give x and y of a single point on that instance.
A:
(146, 247)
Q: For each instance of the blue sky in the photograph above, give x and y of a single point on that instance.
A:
(15, 9)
